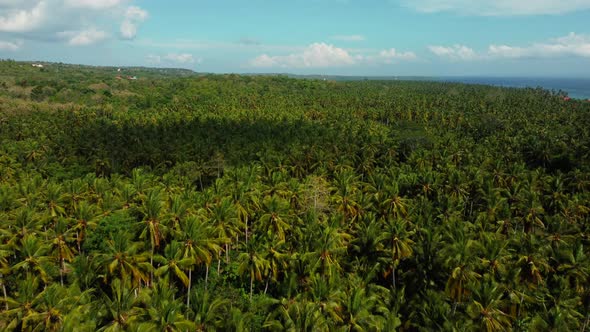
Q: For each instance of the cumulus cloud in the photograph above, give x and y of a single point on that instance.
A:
(499, 7)
(83, 37)
(313, 56)
(76, 22)
(133, 17)
(23, 19)
(10, 46)
(572, 45)
(93, 4)
(388, 56)
(321, 55)
(350, 38)
(455, 52)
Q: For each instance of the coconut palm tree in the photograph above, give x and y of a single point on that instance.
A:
(397, 237)
(125, 260)
(152, 208)
(201, 244)
(173, 263)
(252, 263)
(52, 305)
(119, 308)
(275, 217)
(33, 258)
(486, 308)
(208, 312)
(164, 312)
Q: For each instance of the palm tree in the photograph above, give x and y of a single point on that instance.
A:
(33, 257)
(164, 312)
(85, 219)
(173, 262)
(208, 312)
(55, 199)
(359, 311)
(19, 307)
(124, 259)
(119, 308)
(493, 254)
(275, 218)
(223, 215)
(329, 244)
(398, 238)
(486, 308)
(253, 264)
(295, 316)
(278, 260)
(26, 221)
(61, 249)
(200, 246)
(52, 305)
(328, 294)
(152, 209)
(460, 255)
(345, 192)
(368, 241)
(392, 203)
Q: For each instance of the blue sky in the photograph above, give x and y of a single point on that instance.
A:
(347, 37)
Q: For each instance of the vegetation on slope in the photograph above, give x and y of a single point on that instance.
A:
(209, 202)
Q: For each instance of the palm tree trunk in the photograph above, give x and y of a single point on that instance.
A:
(393, 276)
(152, 266)
(188, 291)
(218, 265)
(206, 276)
(251, 286)
(61, 272)
(583, 327)
(246, 230)
(227, 253)
(4, 291)
(267, 280)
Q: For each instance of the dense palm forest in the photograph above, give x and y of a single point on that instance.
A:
(185, 202)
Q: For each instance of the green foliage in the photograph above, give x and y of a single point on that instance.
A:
(180, 201)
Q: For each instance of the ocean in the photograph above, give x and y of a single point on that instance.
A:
(578, 88)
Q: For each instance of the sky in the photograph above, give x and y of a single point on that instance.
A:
(540, 38)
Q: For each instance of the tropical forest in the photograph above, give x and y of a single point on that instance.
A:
(137, 199)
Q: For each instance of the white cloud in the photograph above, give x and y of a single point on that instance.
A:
(392, 54)
(83, 37)
(350, 38)
(133, 16)
(93, 4)
(572, 45)
(23, 19)
(314, 56)
(499, 7)
(320, 55)
(9, 46)
(92, 20)
(455, 52)
(173, 59)
(128, 30)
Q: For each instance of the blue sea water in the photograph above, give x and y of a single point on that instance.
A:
(575, 87)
